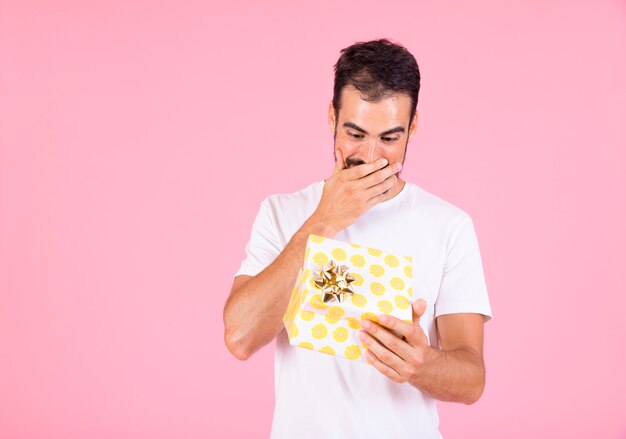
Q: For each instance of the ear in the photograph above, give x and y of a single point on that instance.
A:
(413, 126)
(331, 117)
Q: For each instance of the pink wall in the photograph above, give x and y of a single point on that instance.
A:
(129, 131)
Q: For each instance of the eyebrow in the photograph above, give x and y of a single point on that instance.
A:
(384, 133)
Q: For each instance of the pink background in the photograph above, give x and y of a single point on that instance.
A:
(137, 139)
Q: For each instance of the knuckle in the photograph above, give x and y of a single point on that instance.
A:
(411, 331)
(393, 343)
(416, 360)
(380, 177)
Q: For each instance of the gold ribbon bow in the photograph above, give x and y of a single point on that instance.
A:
(334, 281)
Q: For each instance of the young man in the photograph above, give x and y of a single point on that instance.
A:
(440, 356)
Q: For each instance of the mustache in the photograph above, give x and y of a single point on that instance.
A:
(350, 162)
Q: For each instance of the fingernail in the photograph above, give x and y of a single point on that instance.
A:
(398, 166)
(366, 324)
(383, 161)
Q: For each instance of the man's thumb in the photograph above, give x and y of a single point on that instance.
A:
(339, 163)
(419, 307)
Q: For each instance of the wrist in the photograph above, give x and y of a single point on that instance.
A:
(318, 227)
(429, 354)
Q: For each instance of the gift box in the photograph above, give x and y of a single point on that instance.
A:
(338, 286)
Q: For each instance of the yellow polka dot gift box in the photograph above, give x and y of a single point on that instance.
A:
(338, 286)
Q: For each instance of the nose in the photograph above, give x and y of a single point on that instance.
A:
(371, 151)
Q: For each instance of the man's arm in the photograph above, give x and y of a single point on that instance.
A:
(254, 310)
(456, 372)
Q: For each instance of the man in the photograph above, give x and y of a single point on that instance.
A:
(440, 356)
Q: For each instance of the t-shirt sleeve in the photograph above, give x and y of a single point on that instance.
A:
(463, 288)
(262, 247)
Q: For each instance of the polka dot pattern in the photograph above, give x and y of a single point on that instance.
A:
(319, 331)
(383, 284)
(359, 300)
(402, 302)
(385, 306)
(397, 283)
(307, 316)
(358, 280)
(376, 270)
(320, 258)
(357, 260)
(377, 288)
(338, 254)
(317, 302)
(391, 260)
(340, 334)
(353, 352)
(327, 350)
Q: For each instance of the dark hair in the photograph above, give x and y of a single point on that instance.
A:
(377, 69)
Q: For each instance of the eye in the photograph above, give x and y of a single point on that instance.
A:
(356, 136)
(390, 139)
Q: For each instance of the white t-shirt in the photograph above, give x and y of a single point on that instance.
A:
(324, 396)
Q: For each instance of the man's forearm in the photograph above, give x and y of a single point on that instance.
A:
(253, 313)
(456, 375)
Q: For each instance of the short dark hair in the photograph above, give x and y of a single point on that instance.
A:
(377, 69)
